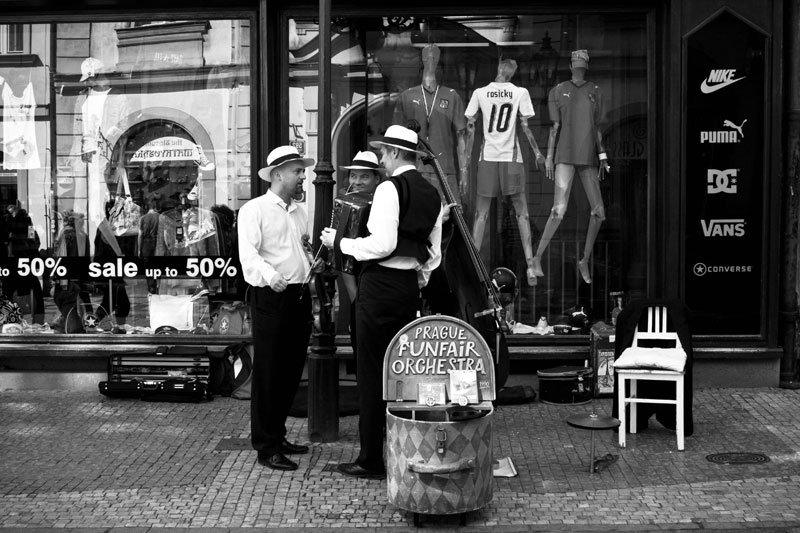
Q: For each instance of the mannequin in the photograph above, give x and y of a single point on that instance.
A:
(439, 110)
(500, 169)
(100, 118)
(577, 106)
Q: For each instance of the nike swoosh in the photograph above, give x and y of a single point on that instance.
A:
(708, 89)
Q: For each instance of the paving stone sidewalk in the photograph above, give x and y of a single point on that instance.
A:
(77, 461)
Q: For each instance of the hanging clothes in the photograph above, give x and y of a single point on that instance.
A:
(19, 130)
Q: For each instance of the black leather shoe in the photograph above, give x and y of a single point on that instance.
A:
(289, 448)
(356, 470)
(277, 461)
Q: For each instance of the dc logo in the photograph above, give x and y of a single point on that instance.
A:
(722, 181)
(700, 269)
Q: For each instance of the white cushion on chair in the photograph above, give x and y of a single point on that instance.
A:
(652, 358)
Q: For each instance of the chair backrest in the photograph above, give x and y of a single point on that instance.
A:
(656, 328)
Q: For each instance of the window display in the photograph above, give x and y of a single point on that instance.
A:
(125, 157)
(497, 73)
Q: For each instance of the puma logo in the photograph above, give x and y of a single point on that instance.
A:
(738, 128)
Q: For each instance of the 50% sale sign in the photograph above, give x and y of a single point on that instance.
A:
(36, 266)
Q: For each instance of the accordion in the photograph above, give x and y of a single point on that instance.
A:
(350, 214)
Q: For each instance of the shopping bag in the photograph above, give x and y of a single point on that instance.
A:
(125, 214)
(182, 311)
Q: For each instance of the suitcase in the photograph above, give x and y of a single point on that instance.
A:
(177, 390)
(139, 374)
(566, 385)
(165, 363)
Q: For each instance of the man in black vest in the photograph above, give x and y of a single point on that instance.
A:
(401, 250)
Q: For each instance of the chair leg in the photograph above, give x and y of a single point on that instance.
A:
(679, 422)
(633, 394)
(622, 407)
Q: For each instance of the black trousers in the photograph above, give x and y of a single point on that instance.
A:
(387, 300)
(281, 330)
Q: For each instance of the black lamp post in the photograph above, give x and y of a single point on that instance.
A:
(323, 367)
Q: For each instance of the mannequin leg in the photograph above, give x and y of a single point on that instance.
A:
(482, 205)
(591, 184)
(561, 190)
(524, 224)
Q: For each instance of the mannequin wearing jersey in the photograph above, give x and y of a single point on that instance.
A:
(575, 145)
(439, 110)
(500, 169)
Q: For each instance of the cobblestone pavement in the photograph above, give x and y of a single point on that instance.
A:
(77, 461)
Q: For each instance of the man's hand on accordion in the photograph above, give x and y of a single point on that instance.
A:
(327, 237)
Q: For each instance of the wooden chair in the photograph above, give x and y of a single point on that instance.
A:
(645, 361)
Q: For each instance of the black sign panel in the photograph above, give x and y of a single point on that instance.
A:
(725, 182)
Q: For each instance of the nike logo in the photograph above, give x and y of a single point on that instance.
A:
(719, 79)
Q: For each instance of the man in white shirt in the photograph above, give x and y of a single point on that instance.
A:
(399, 254)
(274, 262)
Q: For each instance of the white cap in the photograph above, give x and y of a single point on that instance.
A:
(90, 68)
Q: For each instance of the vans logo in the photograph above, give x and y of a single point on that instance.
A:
(732, 136)
(722, 180)
(719, 79)
(728, 227)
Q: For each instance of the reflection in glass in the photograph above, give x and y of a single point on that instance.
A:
(147, 133)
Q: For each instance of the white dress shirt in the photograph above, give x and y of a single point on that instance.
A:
(271, 240)
(384, 219)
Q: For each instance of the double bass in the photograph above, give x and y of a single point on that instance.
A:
(461, 286)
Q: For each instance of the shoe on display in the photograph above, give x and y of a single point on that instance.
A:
(202, 161)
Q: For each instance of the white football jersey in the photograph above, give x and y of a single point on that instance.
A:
(500, 103)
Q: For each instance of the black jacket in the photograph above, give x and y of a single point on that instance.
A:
(678, 321)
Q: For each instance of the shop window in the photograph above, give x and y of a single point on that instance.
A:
(120, 193)
(574, 252)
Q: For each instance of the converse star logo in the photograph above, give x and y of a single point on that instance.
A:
(719, 79)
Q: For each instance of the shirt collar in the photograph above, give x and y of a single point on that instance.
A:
(277, 200)
(404, 168)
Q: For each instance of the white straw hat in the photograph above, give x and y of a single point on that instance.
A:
(365, 161)
(279, 156)
(399, 137)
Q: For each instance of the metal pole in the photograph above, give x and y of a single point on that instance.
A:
(323, 367)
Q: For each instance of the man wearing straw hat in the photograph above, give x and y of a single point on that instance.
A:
(403, 247)
(364, 175)
(274, 262)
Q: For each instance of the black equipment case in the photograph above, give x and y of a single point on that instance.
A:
(566, 385)
(168, 374)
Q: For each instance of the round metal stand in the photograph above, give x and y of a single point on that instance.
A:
(592, 422)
